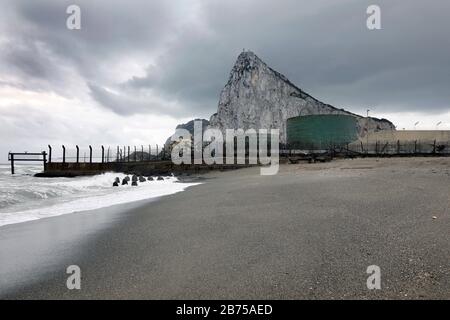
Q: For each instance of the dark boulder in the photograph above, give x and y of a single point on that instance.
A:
(124, 181)
(116, 184)
(134, 183)
(142, 179)
(150, 179)
(160, 178)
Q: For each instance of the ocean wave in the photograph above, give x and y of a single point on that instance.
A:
(24, 197)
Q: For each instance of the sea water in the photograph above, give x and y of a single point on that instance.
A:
(24, 197)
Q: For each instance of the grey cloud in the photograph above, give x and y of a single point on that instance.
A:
(325, 48)
(116, 102)
(322, 46)
(126, 103)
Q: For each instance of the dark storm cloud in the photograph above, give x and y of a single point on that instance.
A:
(110, 31)
(322, 46)
(128, 104)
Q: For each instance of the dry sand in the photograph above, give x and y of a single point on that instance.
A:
(309, 232)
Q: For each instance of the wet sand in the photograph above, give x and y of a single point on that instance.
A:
(309, 232)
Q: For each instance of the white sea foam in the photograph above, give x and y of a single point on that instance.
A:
(24, 197)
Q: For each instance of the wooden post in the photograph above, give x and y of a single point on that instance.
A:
(49, 153)
(157, 155)
(135, 155)
(64, 154)
(78, 154)
(142, 153)
(103, 154)
(128, 153)
(12, 162)
(117, 157)
(90, 154)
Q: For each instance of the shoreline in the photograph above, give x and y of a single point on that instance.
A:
(309, 232)
(104, 196)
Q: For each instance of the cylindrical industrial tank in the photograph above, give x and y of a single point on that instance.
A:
(321, 132)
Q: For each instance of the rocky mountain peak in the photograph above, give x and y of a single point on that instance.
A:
(258, 97)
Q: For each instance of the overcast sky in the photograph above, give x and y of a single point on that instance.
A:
(138, 68)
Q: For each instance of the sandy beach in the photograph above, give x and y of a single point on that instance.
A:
(308, 232)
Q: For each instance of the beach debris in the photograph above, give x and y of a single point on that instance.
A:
(142, 179)
(134, 184)
(150, 178)
(160, 178)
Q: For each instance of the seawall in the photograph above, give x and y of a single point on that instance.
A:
(58, 169)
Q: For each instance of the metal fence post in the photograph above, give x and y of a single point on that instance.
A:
(49, 153)
(64, 154)
(78, 153)
(90, 154)
(103, 154)
(12, 162)
(44, 156)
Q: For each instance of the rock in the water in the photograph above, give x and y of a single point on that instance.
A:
(160, 178)
(142, 179)
(116, 184)
(127, 178)
(124, 181)
(258, 97)
(134, 183)
(117, 180)
(150, 178)
(134, 178)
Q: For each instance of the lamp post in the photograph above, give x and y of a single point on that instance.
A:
(367, 133)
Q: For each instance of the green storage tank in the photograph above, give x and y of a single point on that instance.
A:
(320, 132)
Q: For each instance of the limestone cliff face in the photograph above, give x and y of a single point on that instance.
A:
(258, 97)
(189, 126)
